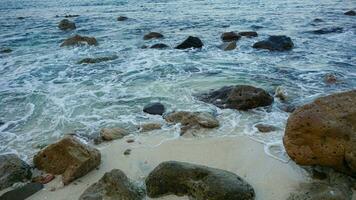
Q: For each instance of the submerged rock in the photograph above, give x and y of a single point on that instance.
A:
(197, 181)
(79, 40)
(154, 108)
(150, 127)
(228, 46)
(328, 30)
(22, 192)
(122, 18)
(230, 36)
(192, 120)
(248, 34)
(5, 50)
(191, 42)
(113, 185)
(97, 60)
(2, 123)
(109, 134)
(350, 13)
(265, 128)
(13, 170)
(275, 43)
(330, 79)
(152, 35)
(159, 46)
(66, 25)
(70, 16)
(281, 93)
(240, 97)
(324, 133)
(68, 157)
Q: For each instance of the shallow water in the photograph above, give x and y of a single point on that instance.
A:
(44, 93)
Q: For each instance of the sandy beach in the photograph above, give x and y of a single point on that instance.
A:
(271, 179)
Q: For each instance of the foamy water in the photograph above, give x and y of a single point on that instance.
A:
(45, 94)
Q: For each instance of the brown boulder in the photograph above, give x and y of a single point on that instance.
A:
(152, 35)
(68, 157)
(66, 25)
(324, 133)
(230, 36)
(109, 134)
(79, 40)
(248, 33)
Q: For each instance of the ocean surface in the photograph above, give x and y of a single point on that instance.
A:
(45, 94)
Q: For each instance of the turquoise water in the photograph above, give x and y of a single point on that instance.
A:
(44, 93)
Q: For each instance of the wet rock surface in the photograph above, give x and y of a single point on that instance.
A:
(66, 25)
(328, 30)
(228, 46)
(191, 42)
(79, 40)
(350, 13)
(108, 134)
(240, 97)
(197, 181)
(97, 60)
(13, 170)
(159, 46)
(230, 36)
(324, 133)
(5, 50)
(155, 108)
(113, 185)
(150, 127)
(248, 34)
(265, 128)
(22, 192)
(152, 35)
(122, 18)
(275, 43)
(68, 157)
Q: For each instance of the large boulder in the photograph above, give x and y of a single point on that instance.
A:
(275, 43)
(66, 25)
(240, 97)
(197, 181)
(113, 185)
(230, 36)
(324, 133)
(191, 42)
(13, 170)
(192, 120)
(79, 40)
(69, 157)
(152, 35)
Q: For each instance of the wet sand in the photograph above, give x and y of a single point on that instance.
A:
(271, 179)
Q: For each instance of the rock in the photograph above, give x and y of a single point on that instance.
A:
(23, 192)
(2, 123)
(20, 18)
(66, 25)
(5, 50)
(152, 35)
(265, 128)
(324, 133)
(228, 46)
(197, 181)
(43, 179)
(113, 185)
(154, 108)
(190, 120)
(321, 191)
(230, 36)
(109, 134)
(127, 152)
(240, 97)
(350, 13)
(130, 140)
(281, 93)
(68, 157)
(150, 127)
(79, 40)
(13, 170)
(330, 79)
(317, 20)
(70, 16)
(96, 60)
(122, 18)
(328, 30)
(191, 42)
(159, 46)
(275, 43)
(248, 34)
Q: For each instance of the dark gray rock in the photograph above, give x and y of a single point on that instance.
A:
(350, 13)
(154, 108)
(66, 25)
(70, 16)
(230, 36)
(122, 18)
(248, 34)
(13, 170)
(159, 46)
(97, 60)
(191, 42)
(5, 50)
(79, 40)
(275, 43)
(328, 30)
(240, 97)
(152, 35)
(23, 192)
(2, 123)
(197, 181)
(113, 185)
